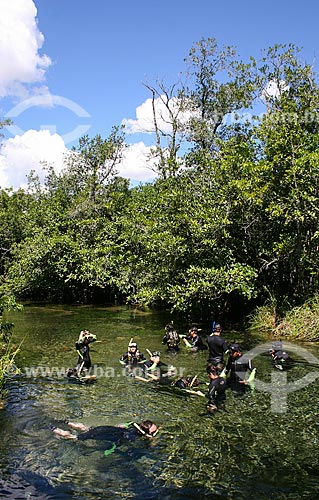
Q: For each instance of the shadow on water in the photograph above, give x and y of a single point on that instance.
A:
(244, 451)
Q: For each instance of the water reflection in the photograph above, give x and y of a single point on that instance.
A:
(243, 451)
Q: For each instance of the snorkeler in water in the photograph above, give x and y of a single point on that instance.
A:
(280, 357)
(216, 389)
(109, 433)
(132, 357)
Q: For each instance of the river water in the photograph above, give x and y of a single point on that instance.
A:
(256, 447)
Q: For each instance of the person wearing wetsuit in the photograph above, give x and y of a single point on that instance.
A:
(155, 367)
(185, 382)
(195, 340)
(114, 435)
(84, 360)
(132, 357)
(171, 338)
(216, 389)
(236, 367)
(281, 358)
(217, 346)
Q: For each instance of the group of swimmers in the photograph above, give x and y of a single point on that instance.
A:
(217, 371)
(237, 373)
(114, 434)
(221, 375)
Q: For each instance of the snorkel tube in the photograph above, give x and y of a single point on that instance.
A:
(141, 431)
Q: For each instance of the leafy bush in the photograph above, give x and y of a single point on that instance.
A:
(263, 320)
(300, 323)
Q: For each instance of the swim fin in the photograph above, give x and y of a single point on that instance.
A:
(223, 373)
(110, 450)
(251, 377)
(251, 380)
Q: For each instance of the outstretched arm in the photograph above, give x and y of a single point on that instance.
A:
(64, 434)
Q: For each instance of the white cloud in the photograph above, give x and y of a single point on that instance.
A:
(23, 153)
(144, 119)
(136, 164)
(274, 89)
(20, 41)
(144, 116)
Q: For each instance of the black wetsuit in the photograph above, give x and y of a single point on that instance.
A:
(182, 383)
(84, 360)
(216, 391)
(281, 359)
(108, 433)
(237, 368)
(196, 342)
(217, 347)
(108, 436)
(132, 359)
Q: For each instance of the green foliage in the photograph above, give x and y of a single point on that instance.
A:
(301, 323)
(263, 320)
(7, 350)
(16, 220)
(4, 123)
(205, 286)
(236, 226)
(222, 86)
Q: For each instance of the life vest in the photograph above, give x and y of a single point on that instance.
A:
(172, 338)
(134, 358)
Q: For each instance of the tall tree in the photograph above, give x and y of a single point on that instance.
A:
(221, 86)
(289, 138)
(92, 164)
(168, 109)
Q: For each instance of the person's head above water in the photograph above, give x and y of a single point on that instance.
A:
(277, 345)
(212, 371)
(217, 329)
(169, 327)
(235, 350)
(193, 330)
(132, 346)
(146, 428)
(155, 356)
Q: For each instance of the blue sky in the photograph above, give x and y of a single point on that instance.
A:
(90, 59)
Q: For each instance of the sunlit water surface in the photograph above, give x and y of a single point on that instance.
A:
(244, 451)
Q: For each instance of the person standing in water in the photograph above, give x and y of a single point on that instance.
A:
(216, 389)
(217, 346)
(132, 357)
(237, 366)
(171, 338)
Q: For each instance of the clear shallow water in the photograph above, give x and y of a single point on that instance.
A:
(243, 451)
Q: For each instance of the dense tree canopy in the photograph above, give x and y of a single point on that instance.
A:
(228, 225)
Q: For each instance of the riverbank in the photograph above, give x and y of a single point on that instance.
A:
(298, 324)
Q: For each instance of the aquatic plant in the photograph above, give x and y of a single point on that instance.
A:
(8, 351)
